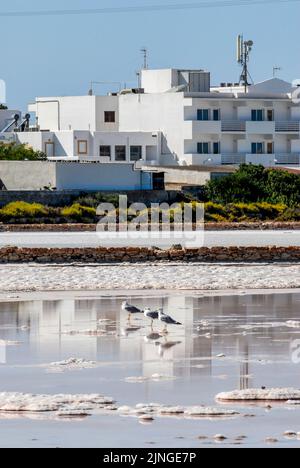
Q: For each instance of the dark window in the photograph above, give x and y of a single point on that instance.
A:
(270, 115)
(203, 148)
(216, 114)
(105, 151)
(216, 147)
(109, 117)
(257, 148)
(203, 114)
(270, 147)
(135, 153)
(257, 115)
(120, 153)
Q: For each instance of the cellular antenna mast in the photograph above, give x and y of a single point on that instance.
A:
(144, 51)
(244, 49)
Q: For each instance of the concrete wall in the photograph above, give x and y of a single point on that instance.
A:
(27, 175)
(34, 175)
(97, 176)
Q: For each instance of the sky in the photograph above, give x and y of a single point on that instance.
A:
(56, 56)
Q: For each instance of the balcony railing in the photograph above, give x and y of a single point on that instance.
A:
(287, 127)
(233, 126)
(288, 158)
(233, 158)
(241, 126)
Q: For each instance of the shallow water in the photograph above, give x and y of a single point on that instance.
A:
(225, 343)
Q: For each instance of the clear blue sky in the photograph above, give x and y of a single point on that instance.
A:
(49, 56)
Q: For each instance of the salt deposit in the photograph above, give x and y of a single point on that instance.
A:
(293, 324)
(71, 364)
(21, 402)
(153, 378)
(207, 411)
(147, 276)
(252, 394)
(9, 343)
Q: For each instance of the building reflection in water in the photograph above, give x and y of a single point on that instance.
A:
(44, 329)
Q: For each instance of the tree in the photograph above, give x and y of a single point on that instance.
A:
(14, 152)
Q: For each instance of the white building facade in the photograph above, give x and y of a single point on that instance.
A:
(176, 118)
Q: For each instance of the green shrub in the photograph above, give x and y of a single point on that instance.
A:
(21, 209)
(78, 212)
(253, 184)
(94, 199)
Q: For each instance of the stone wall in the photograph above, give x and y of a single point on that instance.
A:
(135, 255)
(77, 227)
(63, 198)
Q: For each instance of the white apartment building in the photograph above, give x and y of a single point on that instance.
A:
(176, 118)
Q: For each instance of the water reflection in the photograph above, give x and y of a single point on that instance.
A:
(246, 329)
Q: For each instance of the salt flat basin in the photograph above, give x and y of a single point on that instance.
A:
(210, 239)
(80, 344)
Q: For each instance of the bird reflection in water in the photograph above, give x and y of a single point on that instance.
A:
(129, 330)
(165, 346)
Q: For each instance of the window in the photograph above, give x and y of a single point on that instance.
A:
(203, 148)
(270, 147)
(109, 117)
(270, 115)
(82, 146)
(258, 148)
(105, 151)
(216, 147)
(203, 114)
(257, 115)
(216, 114)
(120, 152)
(135, 153)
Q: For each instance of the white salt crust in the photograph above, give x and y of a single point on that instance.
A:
(254, 394)
(32, 277)
(21, 402)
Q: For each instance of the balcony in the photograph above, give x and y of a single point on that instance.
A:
(233, 158)
(260, 128)
(287, 127)
(192, 128)
(196, 159)
(288, 158)
(272, 160)
(233, 126)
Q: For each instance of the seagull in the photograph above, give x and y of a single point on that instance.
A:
(151, 314)
(130, 309)
(167, 320)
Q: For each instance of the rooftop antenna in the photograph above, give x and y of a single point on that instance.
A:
(275, 70)
(144, 51)
(244, 49)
